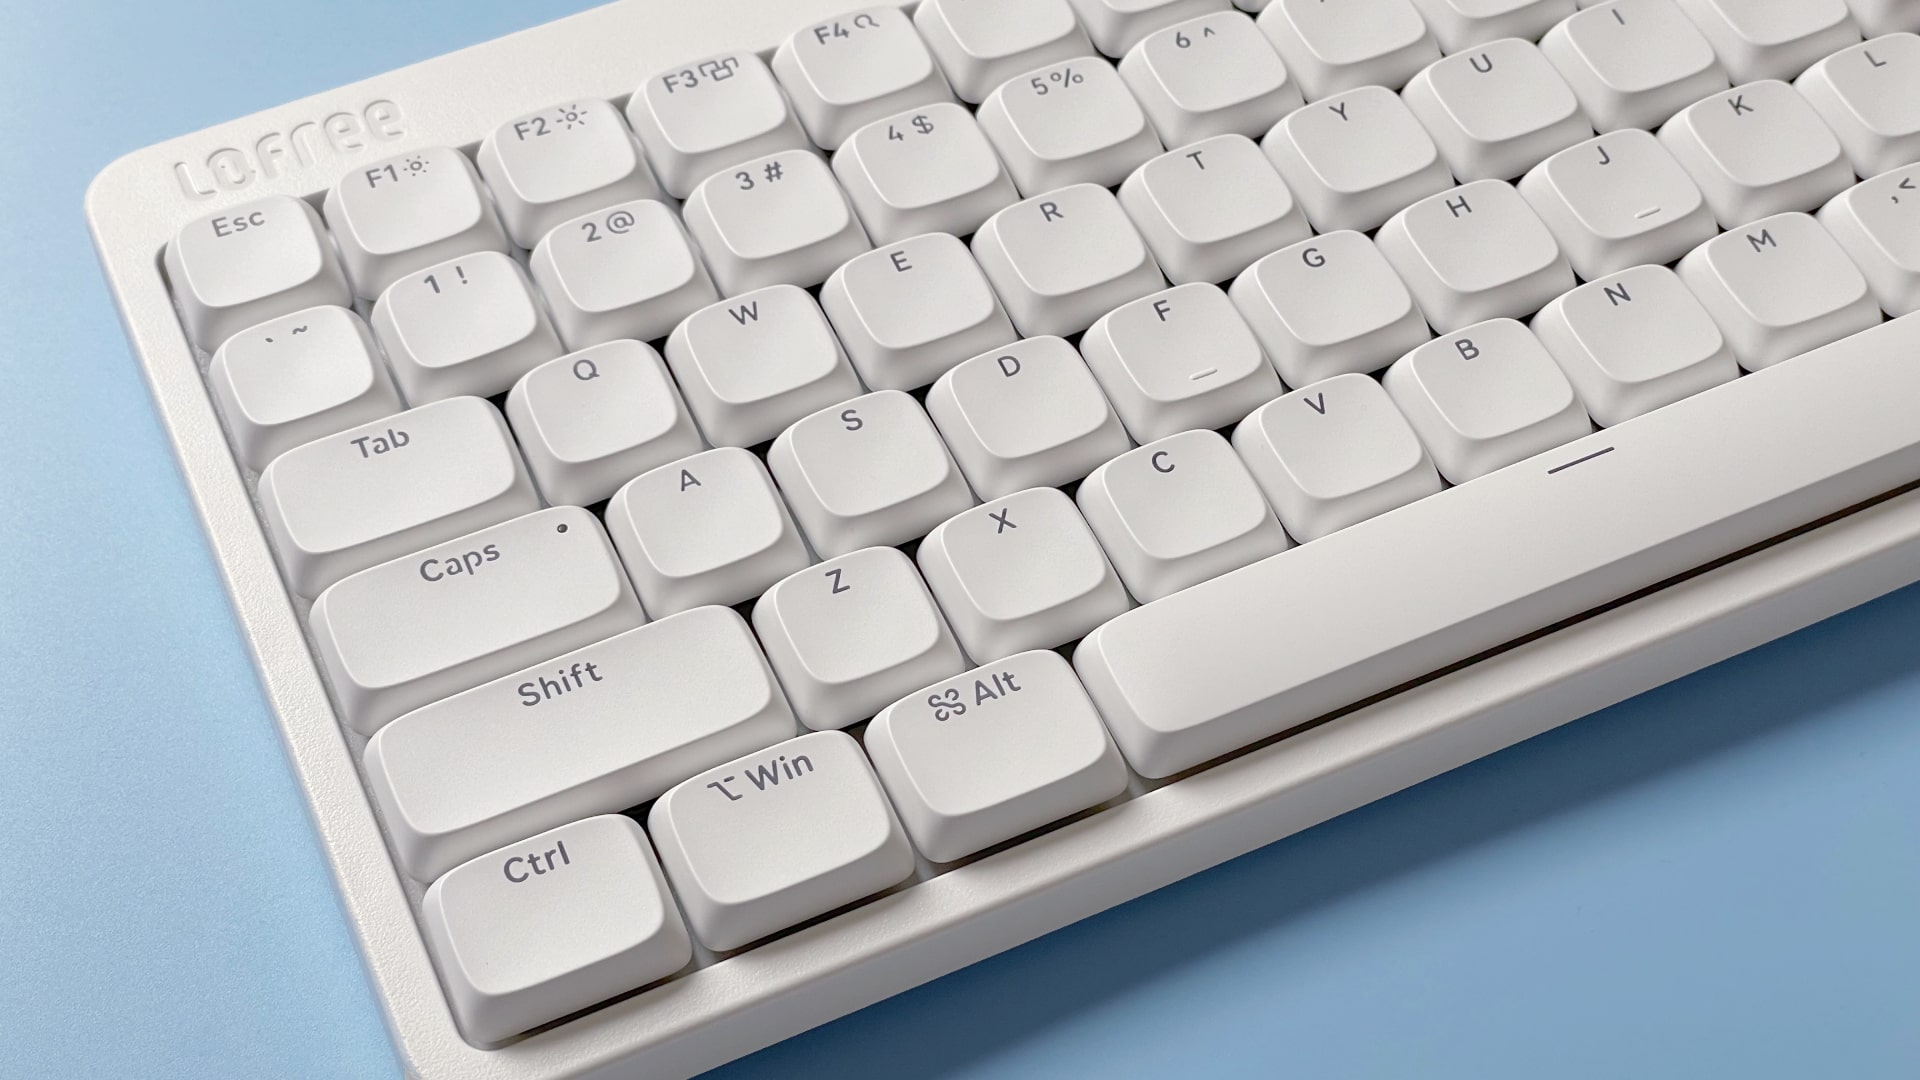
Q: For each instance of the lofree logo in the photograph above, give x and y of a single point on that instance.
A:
(278, 153)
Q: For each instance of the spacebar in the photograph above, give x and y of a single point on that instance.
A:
(1269, 647)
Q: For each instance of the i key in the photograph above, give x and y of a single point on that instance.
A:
(1634, 63)
(408, 212)
(1061, 260)
(1477, 252)
(245, 265)
(699, 118)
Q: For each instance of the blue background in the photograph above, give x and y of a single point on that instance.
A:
(1718, 879)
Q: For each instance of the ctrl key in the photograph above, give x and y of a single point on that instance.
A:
(544, 928)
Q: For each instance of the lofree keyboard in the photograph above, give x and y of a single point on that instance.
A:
(743, 508)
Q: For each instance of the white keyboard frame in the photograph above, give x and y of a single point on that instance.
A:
(919, 933)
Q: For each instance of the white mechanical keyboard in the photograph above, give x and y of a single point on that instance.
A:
(744, 507)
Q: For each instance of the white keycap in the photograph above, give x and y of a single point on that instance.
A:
(751, 365)
(927, 170)
(1875, 224)
(249, 263)
(466, 326)
(851, 635)
(1462, 24)
(547, 927)
(1778, 288)
(1886, 16)
(1617, 201)
(375, 492)
(1021, 572)
(908, 311)
(1178, 511)
(1118, 25)
(1496, 111)
(1634, 342)
(1870, 96)
(1354, 43)
(993, 753)
(1758, 150)
(398, 635)
(1328, 305)
(699, 118)
(1179, 359)
(1210, 76)
(1061, 260)
(296, 378)
(778, 837)
(1207, 211)
(557, 741)
(983, 43)
(867, 471)
(1355, 159)
(853, 69)
(1484, 398)
(1475, 253)
(1634, 63)
(1069, 123)
(773, 220)
(627, 272)
(559, 163)
(1772, 39)
(708, 529)
(1334, 454)
(1028, 415)
(408, 212)
(592, 420)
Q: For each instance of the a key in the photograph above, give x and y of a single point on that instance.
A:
(557, 741)
(408, 212)
(927, 170)
(699, 118)
(1118, 25)
(1772, 39)
(1462, 24)
(1069, 123)
(1178, 511)
(1210, 76)
(777, 837)
(906, 312)
(552, 925)
(1328, 305)
(1028, 415)
(591, 420)
(773, 220)
(428, 625)
(1758, 150)
(983, 43)
(1617, 201)
(1634, 63)
(1355, 159)
(1484, 398)
(1875, 224)
(1778, 288)
(851, 635)
(296, 378)
(1020, 572)
(1334, 454)
(867, 471)
(249, 263)
(1207, 211)
(1870, 96)
(374, 492)
(1886, 16)
(1335, 47)
(1497, 110)
(993, 753)
(1633, 342)
(466, 326)
(853, 69)
(751, 365)
(626, 272)
(559, 163)
(1179, 359)
(708, 529)
(1061, 260)
(1475, 253)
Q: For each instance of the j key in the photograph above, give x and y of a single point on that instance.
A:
(1634, 63)
(1870, 96)
(1117, 25)
(1329, 305)
(559, 163)
(1497, 110)
(1209, 210)
(908, 311)
(854, 69)
(1477, 252)
(466, 326)
(293, 379)
(1633, 342)
(777, 837)
(592, 420)
(1875, 223)
(1778, 288)
(773, 220)
(1210, 76)
(625, 272)
(1462, 24)
(1757, 150)
(1061, 260)
(1070, 123)
(926, 170)
(408, 212)
(1355, 159)
(427, 625)
(1179, 359)
(1773, 40)
(699, 118)
(1028, 415)
(249, 263)
(368, 494)
(751, 365)
(1336, 47)
(1617, 201)
(983, 43)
